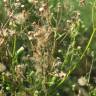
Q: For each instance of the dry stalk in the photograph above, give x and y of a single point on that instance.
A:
(43, 49)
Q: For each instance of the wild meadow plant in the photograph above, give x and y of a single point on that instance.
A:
(47, 48)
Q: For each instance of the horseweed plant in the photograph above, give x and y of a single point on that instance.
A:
(43, 45)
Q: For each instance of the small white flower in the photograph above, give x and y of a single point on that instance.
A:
(41, 9)
(82, 81)
(22, 6)
(59, 51)
(8, 74)
(62, 74)
(18, 4)
(79, 47)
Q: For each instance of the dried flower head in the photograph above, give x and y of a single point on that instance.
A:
(1, 41)
(82, 2)
(21, 17)
(2, 93)
(8, 74)
(5, 1)
(62, 74)
(20, 70)
(2, 67)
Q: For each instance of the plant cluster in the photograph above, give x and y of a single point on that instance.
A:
(46, 48)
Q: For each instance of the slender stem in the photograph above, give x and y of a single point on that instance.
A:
(92, 35)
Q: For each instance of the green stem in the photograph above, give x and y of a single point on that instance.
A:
(94, 29)
(87, 46)
(14, 51)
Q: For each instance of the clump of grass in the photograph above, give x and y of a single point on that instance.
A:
(41, 51)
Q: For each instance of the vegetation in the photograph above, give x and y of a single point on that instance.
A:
(47, 47)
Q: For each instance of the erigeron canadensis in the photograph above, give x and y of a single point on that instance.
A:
(43, 48)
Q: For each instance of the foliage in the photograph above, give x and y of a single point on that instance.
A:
(47, 48)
